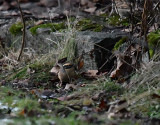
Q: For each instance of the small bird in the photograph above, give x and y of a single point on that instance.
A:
(66, 72)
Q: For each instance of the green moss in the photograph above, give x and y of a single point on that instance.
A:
(110, 86)
(98, 28)
(104, 15)
(44, 120)
(16, 28)
(28, 103)
(41, 72)
(124, 22)
(154, 39)
(120, 42)
(115, 20)
(151, 52)
(40, 69)
(53, 26)
(87, 24)
(154, 111)
(20, 74)
(72, 19)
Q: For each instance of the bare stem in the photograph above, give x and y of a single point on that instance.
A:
(23, 35)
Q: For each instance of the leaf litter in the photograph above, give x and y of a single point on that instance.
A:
(93, 95)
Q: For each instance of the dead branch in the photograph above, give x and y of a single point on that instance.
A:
(144, 25)
(23, 35)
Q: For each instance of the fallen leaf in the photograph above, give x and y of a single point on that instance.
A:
(5, 6)
(87, 101)
(24, 1)
(103, 105)
(47, 93)
(90, 10)
(39, 22)
(66, 98)
(83, 85)
(70, 86)
(80, 64)
(154, 95)
(90, 74)
(91, 5)
(23, 112)
(84, 2)
(127, 62)
(124, 67)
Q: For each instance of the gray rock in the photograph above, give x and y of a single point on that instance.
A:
(100, 43)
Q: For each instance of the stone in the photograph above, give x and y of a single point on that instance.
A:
(97, 46)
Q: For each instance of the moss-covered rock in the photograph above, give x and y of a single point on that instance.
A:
(153, 41)
(120, 42)
(104, 15)
(16, 28)
(151, 52)
(87, 24)
(53, 26)
(115, 20)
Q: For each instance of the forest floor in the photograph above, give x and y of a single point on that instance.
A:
(31, 95)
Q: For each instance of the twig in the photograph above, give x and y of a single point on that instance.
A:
(23, 35)
(144, 25)
(154, 9)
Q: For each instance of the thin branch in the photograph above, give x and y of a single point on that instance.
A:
(144, 25)
(23, 35)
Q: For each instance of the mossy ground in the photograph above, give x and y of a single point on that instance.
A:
(87, 24)
(23, 105)
(115, 20)
(153, 41)
(82, 25)
(71, 110)
(53, 26)
(120, 42)
(38, 110)
(16, 28)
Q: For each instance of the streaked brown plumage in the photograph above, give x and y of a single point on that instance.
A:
(66, 72)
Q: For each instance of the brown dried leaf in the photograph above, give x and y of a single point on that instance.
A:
(23, 112)
(154, 95)
(70, 86)
(80, 64)
(91, 74)
(84, 2)
(124, 67)
(87, 101)
(66, 98)
(103, 105)
(90, 10)
(39, 22)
